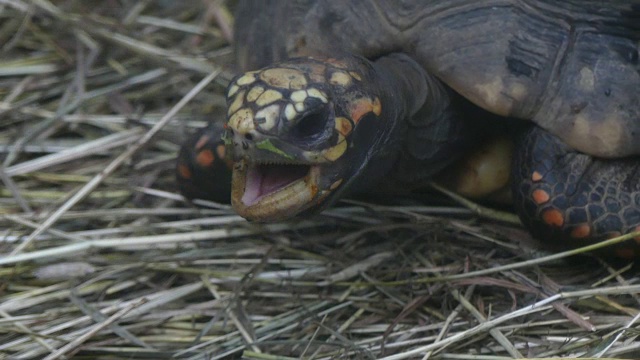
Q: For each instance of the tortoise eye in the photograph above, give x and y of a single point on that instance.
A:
(310, 125)
(311, 128)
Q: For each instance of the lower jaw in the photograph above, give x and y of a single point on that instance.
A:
(281, 205)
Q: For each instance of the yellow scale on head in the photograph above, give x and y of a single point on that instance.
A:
(236, 103)
(270, 115)
(254, 93)
(246, 79)
(268, 97)
(284, 78)
(242, 121)
(340, 78)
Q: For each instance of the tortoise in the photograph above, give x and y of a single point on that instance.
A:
(373, 95)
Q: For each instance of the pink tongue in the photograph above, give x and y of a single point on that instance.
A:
(266, 179)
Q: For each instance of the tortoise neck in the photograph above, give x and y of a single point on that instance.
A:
(429, 126)
(402, 85)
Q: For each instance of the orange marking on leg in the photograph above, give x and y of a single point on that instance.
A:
(204, 139)
(581, 231)
(184, 172)
(540, 196)
(536, 176)
(205, 158)
(553, 217)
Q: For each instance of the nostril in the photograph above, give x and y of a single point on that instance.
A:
(248, 137)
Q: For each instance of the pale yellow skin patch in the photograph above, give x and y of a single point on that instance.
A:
(233, 89)
(299, 107)
(335, 152)
(340, 78)
(355, 75)
(246, 79)
(290, 112)
(236, 103)
(284, 78)
(254, 93)
(327, 155)
(270, 115)
(343, 125)
(298, 96)
(268, 97)
(485, 171)
(315, 93)
(242, 121)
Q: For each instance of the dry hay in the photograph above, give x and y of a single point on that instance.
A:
(103, 260)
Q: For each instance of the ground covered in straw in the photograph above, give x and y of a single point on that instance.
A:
(102, 259)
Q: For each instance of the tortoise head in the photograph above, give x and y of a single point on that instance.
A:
(299, 133)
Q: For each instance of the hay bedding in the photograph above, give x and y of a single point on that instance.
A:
(103, 260)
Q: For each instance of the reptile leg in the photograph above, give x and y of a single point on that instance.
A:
(202, 172)
(572, 199)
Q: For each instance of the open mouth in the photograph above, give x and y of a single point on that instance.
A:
(265, 179)
(268, 192)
